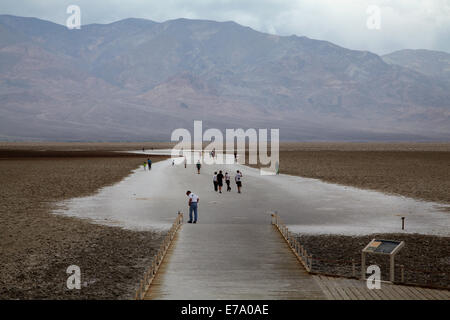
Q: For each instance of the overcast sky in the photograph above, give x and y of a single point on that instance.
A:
(403, 23)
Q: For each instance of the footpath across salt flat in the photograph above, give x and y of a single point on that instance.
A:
(232, 261)
(233, 252)
(148, 200)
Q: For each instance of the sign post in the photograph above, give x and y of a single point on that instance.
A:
(383, 247)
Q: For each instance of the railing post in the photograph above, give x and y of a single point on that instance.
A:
(353, 268)
(402, 273)
(158, 257)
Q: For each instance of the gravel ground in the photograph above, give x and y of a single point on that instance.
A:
(417, 170)
(417, 174)
(36, 247)
(426, 258)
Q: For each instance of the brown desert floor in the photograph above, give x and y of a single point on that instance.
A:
(36, 247)
(426, 259)
(417, 174)
(416, 170)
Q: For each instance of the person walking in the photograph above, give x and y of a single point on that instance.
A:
(193, 206)
(185, 162)
(145, 166)
(227, 181)
(238, 179)
(235, 156)
(220, 177)
(215, 181)
(173, 163)
(198, 165)
(149, 163)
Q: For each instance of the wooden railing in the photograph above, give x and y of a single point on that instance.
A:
(299, 251)
(150, 274)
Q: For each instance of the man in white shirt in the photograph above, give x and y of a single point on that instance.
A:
(238, 178)
(193, 206)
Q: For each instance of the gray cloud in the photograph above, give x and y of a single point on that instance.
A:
(404, 23)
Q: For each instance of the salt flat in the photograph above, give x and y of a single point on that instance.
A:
(151, 199)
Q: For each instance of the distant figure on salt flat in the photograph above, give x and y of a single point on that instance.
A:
(193, 206)
(227, 181)
(215, 181)
(198, 165)
(185, 162)
(145, 165)
(238, 179)
(220, 177)
(149, 163)
(173, 162)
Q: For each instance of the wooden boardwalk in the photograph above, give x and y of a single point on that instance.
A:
(352, 289)
(232, 261)
(245, 261)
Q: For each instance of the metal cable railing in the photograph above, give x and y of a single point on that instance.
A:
(299, 251)
(150, 274)
(308, 261)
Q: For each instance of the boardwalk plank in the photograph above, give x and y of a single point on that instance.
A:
(232, 261)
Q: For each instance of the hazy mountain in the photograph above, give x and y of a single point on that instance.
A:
(428, 62)
(138, 79)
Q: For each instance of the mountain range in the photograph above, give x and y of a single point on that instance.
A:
(137, 79)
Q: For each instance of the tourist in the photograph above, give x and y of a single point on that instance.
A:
(198, 165)
(149, 162)
(215, 181)
(193, 206)
(238, 179)
(220, 177)
(145, 165)
(227, 181)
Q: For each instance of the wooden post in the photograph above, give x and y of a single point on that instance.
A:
(363, 266)
(402, 270)
(392, 269)
(353, 268)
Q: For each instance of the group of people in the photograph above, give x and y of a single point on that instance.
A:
(218, 179)
(148, 163)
